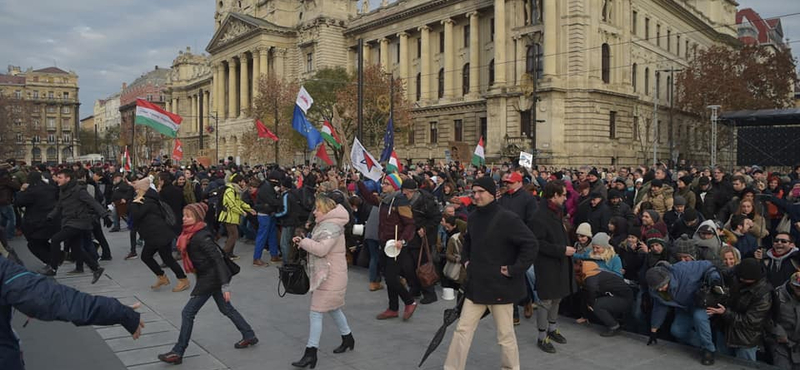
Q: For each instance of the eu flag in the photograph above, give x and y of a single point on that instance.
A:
(388, 142)
(301, 125)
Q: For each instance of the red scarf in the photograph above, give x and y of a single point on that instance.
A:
(558, 210)
(183, 242)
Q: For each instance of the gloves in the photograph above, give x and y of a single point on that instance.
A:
(107, 221)
(653, 338)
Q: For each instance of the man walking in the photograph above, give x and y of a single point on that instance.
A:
(495, 237)
(267, 203)
(426, 216)
(77, 209)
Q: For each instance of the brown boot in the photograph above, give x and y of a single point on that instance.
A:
(373, 286)
(162, 280)
(182, 285)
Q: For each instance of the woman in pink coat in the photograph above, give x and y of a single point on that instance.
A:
(327, 272)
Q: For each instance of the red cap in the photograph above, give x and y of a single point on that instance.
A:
(514, 177)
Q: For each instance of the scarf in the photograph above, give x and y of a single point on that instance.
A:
(558, 210)
(183, 243)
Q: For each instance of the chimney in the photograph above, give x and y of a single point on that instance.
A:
(156, 68)
(124, 85)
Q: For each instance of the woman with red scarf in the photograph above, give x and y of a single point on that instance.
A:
(202, 256)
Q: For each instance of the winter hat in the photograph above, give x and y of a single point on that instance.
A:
(687, 179)
(619, 179)
(602, 240)
(394, 180)
(409, 184)
(198, 210)
(639, 180)
(487, 184)
(795, 279)
(703, 181)
(749, 269)
(706, 229)
(679, 200)
(654, 215)
(656, 183)
(684, 245)
(635, 231)
(142, 185)
(690, 215)
(613, 194)
(594, 173)
(657, 277)
(584, 229)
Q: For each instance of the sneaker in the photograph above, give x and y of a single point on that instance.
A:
(546, 345)
(171, 358)
(429, 299)
(409, 310)
(708, 358)
(75, 272)
(244, 343)
(113, 230)
(46, 271)
(131, 256)
(610, 332)
(556, 336)
(96, 274)
(388, 314)
(516, 321)
(106, 258)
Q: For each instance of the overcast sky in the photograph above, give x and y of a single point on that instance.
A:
(110, 42)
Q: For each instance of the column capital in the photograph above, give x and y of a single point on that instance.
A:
(262, 50)
(447, 21)
(402, 34)
(473, 14)
(232, 62)
(279, 51)
(423, 28)
(243, 57)
(383, 40)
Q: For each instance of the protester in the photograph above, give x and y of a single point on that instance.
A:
(233, 208)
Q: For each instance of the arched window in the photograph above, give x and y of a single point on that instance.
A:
(465, 79)
(533, 60)
(647, 81)
(51, 154)
(634, 71)
(419, 86)
(606, 63)
(491, 72)
(441, 83)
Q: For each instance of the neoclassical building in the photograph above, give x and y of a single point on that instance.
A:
(600, 71)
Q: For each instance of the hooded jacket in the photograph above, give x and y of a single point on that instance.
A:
(329, 295)
(685, 278)
(76, 207)
(708, 249)
(780, 268)
(150, 222)
(394, 210)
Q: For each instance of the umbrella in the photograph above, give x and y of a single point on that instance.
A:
(450, 316)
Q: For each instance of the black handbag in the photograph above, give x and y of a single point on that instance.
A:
(232, 266)
(712, 292)
(293, 278)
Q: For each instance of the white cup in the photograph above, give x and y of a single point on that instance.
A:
(358, 230)
(448, 294)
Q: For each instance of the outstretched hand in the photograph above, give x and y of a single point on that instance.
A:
(138, 331)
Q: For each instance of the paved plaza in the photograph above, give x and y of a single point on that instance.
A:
(282, 326)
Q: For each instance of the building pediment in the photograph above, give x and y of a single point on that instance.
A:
(237, 27)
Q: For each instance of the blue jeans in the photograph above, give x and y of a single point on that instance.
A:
(194, 305)
(748, 354)
(267, 234)
(693, 327)
(530, 275)
(8, 220)
(315, 327)
(286, 243)
(375, 251)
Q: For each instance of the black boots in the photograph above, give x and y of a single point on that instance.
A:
(347, 343)
(309, 358)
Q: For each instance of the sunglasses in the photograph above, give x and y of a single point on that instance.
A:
(783, 241)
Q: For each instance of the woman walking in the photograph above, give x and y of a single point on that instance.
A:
(328, 276)
(203, 257)
(152, 227)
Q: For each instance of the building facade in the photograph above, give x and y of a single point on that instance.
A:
(48, 129)
(600, 72)
(147, 143)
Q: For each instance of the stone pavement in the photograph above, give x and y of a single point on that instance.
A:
(282, 326)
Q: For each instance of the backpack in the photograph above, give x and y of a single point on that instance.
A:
(166, 211)
(215, 198)
(306, 200)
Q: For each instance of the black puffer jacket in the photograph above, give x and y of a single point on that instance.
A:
(746, 313)
(149, 221)
(211, 270)
(173, 196)
(38, 201)
(76, 207)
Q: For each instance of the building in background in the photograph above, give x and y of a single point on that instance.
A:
(754, 30)
(189, 91)
(107, 119)
(46, 107)
(147, 143)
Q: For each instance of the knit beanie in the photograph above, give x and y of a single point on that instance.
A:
(142, 185)
(394, 180)
(687, 179)
(602, 240)
(409, 184)
(584, 229)
(635, 231)
(654, 215)
(614, 193)
(749, 269)
(679, 200)
(657, 277)
(487, 184)
(198, 210)
(684, 245)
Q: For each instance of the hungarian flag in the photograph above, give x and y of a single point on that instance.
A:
(264, 132)
(478, 158)
(153, 116)
(126, 160)
(329, 134)
(177, 151)
(323, 154)
(393, 165)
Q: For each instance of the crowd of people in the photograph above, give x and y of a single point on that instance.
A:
(703, 256)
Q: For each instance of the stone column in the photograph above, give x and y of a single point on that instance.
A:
(243, 85)
(206, 106)
(367, 54)
(550, 38)
(195, 113)
(233, 110)
(474, 55)
(500, 42)
(425, 60)
(175, 106)
(216, 83)
(385, 55)
(256, 73)
(263, 56)
(449, 60)
(279, 57)
(404, 63)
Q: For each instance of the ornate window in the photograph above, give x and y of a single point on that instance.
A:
(606, 63)
(465, 79)
(441, 83)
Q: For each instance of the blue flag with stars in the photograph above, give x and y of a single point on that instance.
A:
(388, 141)
(305, 128)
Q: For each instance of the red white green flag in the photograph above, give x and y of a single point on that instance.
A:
(126, 160)
(479, 158)
(394, 164)
(151, 115)
(329, 134)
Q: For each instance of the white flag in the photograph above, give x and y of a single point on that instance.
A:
(304, 100)
(365, 162)
(526, 160)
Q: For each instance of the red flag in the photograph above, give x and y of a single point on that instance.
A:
(264, 132)
(177, 151)
(323, 154)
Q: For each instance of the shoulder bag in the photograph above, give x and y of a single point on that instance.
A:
(453, 269)
(293, 278)
(426, 273)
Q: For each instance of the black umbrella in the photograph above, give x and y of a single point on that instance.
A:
(450, 316)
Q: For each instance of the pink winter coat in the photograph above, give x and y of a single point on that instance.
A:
(330, 294)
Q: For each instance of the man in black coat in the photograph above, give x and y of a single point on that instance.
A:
(553, 266)
(267, 204)
(427, 217)
(38, 198)
(498, 248)
(599, 213)
(173, 197)
(77, 210)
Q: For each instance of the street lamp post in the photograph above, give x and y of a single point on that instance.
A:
(671, 97)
